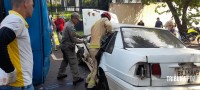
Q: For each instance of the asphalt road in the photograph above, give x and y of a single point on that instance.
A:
(52, 83)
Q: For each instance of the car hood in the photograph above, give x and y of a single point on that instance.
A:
(167, 55)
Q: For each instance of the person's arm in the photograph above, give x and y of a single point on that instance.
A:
(6, 36)
(72, 36)
(108, 26)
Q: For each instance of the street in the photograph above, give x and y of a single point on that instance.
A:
(52, 83)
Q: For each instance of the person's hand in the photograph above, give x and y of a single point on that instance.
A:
(12, 76)
(3, 77)
(84, 41)
(7, 78)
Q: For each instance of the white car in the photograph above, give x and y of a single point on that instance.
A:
(140, 58)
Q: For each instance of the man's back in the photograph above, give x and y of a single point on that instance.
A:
(158, 24)
(67, 32)
(100, 28)
(59, 22)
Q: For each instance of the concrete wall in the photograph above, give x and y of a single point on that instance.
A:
(132, 13)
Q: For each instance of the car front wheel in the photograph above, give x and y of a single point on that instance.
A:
(102, 84)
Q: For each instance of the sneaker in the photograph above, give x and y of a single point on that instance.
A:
(77, 81)
(61, 76)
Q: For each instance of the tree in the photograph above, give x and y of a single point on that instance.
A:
(182, 11)
(104, 4)
(90, 3)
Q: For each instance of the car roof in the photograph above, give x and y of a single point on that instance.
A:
(116, 26)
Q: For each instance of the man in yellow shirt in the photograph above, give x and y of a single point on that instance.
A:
(98, 30)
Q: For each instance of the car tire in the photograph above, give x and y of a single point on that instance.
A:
(102, 84)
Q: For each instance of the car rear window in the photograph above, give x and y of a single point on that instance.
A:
(149, 38)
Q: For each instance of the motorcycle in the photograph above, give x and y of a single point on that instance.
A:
(82, 52)
(192, 36)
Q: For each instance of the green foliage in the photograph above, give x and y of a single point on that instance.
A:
(54, 5)
(66, 15)
(59, 7)
(90, 3)
(81, 33)
(182, 9)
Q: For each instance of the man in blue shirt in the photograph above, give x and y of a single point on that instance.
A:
(158, 23)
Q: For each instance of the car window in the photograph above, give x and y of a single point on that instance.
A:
(111, 43)
(106, 42)
(149, 38)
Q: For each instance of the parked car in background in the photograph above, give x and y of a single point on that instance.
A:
(141, 58)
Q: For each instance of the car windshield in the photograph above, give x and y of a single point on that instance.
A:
(149, 38)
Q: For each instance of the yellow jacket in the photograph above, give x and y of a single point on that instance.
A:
(100, 28)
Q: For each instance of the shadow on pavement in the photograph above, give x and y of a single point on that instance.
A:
(51, 82)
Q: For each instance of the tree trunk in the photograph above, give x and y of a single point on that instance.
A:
(184, 15)
(175, 14)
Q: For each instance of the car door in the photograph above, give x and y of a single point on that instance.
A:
(108, 47)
